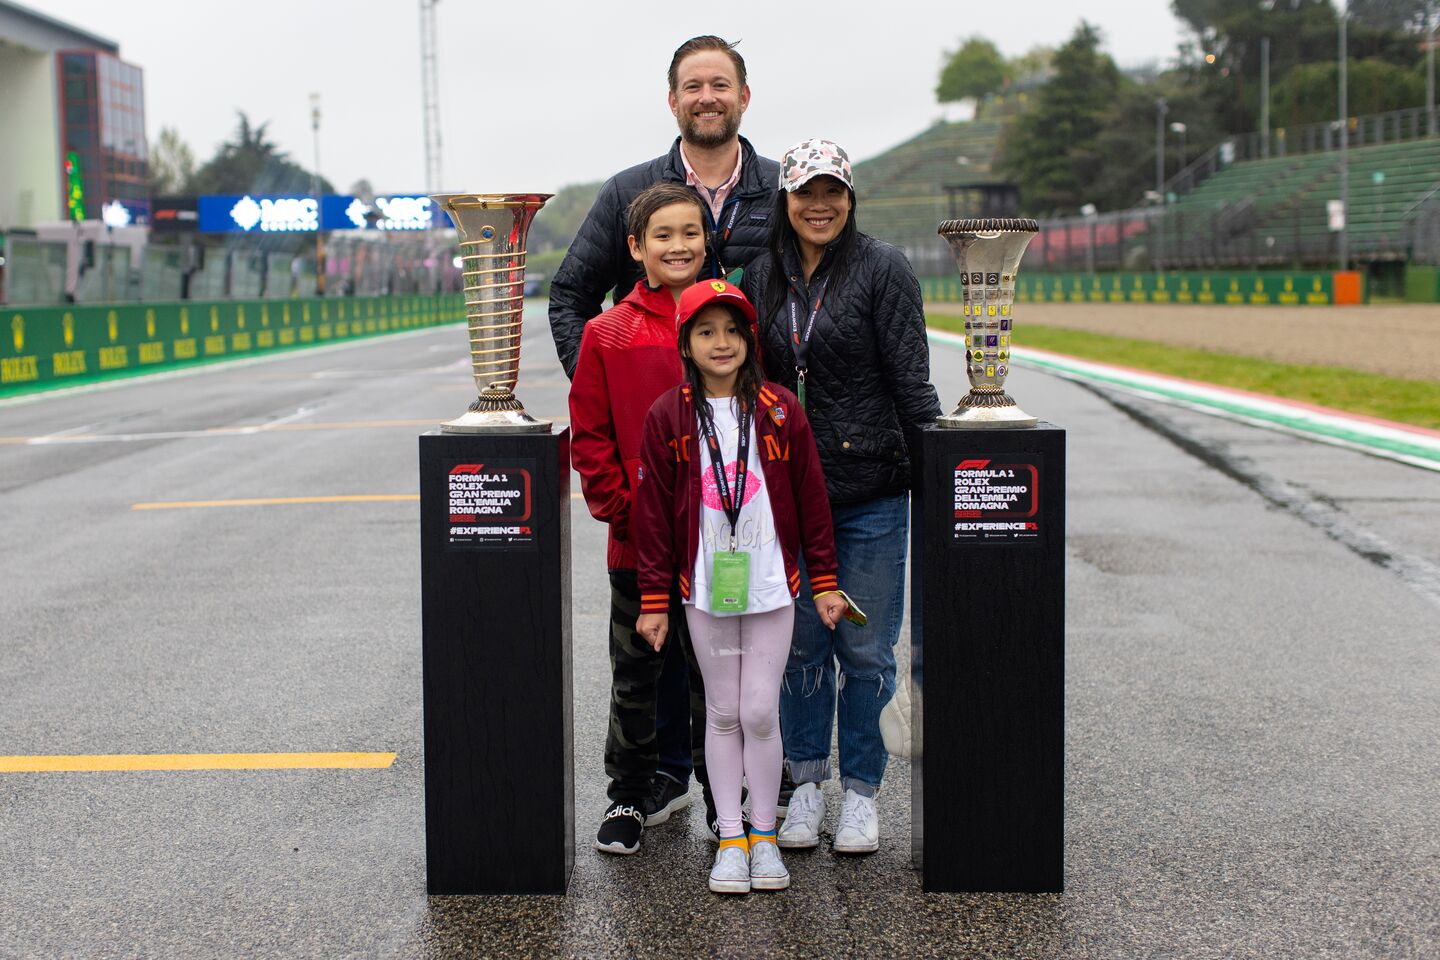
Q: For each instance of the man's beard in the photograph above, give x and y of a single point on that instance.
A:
(690, 132)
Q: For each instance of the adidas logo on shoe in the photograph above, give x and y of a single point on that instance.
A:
(620, 828)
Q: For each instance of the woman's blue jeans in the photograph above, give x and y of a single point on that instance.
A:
(870, 540)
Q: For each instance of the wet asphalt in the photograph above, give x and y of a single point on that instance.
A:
(1253, 668)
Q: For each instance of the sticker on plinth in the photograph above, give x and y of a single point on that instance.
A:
(491, 506)
(997, 503)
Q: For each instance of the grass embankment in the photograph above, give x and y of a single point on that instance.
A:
(1416, 402)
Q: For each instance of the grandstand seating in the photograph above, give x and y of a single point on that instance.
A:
(1252, 213)
(1274, 210)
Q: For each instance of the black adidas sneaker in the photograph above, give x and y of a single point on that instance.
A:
(620, 829)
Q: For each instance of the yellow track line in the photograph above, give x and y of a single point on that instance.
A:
(197, 761)
(235, 431)
(274, 501)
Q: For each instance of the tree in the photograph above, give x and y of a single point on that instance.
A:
(172, 164)
(251, 163)
(1310, 92)
(1223, 56)
(973, 71)
(1031, 68)
(1053, 151)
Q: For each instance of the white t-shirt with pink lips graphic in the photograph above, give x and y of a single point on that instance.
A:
(756, 534)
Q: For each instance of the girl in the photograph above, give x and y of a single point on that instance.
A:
(732, 495)
(843, 324)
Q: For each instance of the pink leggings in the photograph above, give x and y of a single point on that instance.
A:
(742, 708)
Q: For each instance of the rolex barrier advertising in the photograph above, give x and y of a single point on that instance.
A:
(54, 346)
(1225, 288)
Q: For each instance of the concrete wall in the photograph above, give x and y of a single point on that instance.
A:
(30, 163)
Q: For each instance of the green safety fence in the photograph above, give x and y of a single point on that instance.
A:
(1254, 288)
(46, 347)
(1422, 284)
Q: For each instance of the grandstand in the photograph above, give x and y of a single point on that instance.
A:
(1223, 211)
(1273, 212)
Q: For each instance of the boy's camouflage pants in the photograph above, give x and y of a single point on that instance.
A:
(631, 754)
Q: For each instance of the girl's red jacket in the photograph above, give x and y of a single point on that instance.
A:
(666, 522)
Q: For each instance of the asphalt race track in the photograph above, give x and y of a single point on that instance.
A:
(1253, 672)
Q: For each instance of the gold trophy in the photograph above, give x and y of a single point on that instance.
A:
(492, 229)
(988, 254)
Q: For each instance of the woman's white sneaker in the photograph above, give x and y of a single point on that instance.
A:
(731, 873)
(767, 870)
(801, 829)
(859, 830)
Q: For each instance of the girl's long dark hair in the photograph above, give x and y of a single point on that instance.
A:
(748, 379)
(782, 238)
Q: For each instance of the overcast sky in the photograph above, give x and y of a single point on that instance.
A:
(536, 94)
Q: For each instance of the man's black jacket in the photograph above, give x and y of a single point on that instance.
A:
(599, 261)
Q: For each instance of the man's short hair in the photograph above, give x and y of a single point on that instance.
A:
(707, 42)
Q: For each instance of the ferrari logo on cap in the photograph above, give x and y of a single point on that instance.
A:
(718, 286)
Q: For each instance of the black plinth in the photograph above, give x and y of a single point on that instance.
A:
(495, 572)
(988, 658)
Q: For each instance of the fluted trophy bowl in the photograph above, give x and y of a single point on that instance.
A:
(492, 229)
(988, 254)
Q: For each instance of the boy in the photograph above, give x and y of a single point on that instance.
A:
(627, 359)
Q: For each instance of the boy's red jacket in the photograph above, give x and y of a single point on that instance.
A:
(628, 357)
(666, 525)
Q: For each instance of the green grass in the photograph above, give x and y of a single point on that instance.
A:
(1416, 402)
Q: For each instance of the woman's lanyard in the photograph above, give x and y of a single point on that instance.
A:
(800, 339)
(730, 501)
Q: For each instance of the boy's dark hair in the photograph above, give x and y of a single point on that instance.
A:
(654, 197)
(782, 238)
(707, 42)
(750, 377)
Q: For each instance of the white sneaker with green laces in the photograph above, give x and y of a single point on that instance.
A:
(731, 873)
(859, 830)
(767, 870)
(801, 829)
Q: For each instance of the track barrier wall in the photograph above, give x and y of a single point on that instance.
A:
(1422, 284)
(1229, 287)
(47, 347)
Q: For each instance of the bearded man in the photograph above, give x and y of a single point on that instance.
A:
(657, 727)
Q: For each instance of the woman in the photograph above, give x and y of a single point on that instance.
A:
(842, 325)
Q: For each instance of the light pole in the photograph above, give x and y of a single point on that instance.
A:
(1088, 212)
(1179, 128)
(1161, 108)
(1265, 96)
(315, 192)
(1344, 143)
(1432, 23)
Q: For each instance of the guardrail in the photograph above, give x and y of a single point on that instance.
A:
(1232, 288)
(48, 347)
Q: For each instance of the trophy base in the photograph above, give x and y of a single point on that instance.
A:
(495, 421)
(968, 417)
(496, 410)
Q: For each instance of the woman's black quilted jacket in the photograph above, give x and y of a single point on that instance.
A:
(868, 376)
